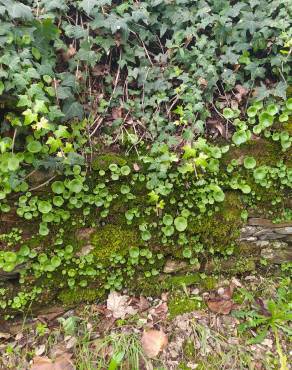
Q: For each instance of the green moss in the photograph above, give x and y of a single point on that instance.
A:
(183, 366)
(221, 229)
(232, 266)
(189, 350)
(74, 296)
(111, 239)
(178, 305)
(102, 162)
(154, 286)
(263, 150)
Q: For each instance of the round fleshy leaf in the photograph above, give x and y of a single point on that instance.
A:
(228, 113)
(75, 186)
(283, 117)
(252, 111)
(58, 201)
(125, 170)
(34, 146)
(259, 173)
(44, 206)
(187, 252)
(249, 162)
(246, 189)
(125, 189)
(289, 104)
(272, 109)
(58, 187)
(134, 252)
(13, 164)
(266, 119)
(239, 137)
(10, 257)
(219, 196)
(168, 230)
(180, 223)
(146, 235)
(167, 220)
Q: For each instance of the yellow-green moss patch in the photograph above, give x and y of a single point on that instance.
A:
(111, 239)
(102, 162)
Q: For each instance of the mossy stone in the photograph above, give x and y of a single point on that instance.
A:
(221, 229)
(102, 162)
(111, 239)
(178, 305)
(77, 295)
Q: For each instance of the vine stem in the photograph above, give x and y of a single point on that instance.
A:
(43, 184)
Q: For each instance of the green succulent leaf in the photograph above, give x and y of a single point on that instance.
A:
(249, 162)
(180, 223)
(34, 147)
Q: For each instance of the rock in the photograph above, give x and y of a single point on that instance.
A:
(84, 234)
(271, 236)
(13, 274)
(38, 177)
(284, 230)
(247, 231)
(85, 250)
(174, 266)
(288, 239)
(262, 243)
(254, 221)
(251, 239)
(277, 252)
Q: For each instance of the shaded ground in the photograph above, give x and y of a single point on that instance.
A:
(108, 335)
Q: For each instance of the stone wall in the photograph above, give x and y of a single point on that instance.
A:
(273, 240)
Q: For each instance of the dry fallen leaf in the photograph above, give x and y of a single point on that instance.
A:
(220, 301)
(40, 350)
(136, 167)
(153, 342)
(4, 335)
(160, 311)
(220, 306)
(216, 125)
(71, 51)
(62, 362)
(117, 112)
(143, 304)
(119, 305)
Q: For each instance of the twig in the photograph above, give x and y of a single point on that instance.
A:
(13, 140)
(43, 184)
(111, 98)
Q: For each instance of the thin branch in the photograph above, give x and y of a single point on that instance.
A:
(43, 184)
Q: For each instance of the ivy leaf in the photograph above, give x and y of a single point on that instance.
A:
(1, 87)
(261, 92)
(180, 223)
(280, 90)
(72, 110)
(88, 5)
(16, 9)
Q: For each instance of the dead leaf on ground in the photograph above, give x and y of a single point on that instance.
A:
(241, 92)
(69, 53)
(4, 335)
(117, 112)
(143, 304)
(119, 305)
(217, 126)
(220, 301)
(40, 350)
(136, 167)
(62, 362)
(220, 306)
(160, 311)
(153, 342)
